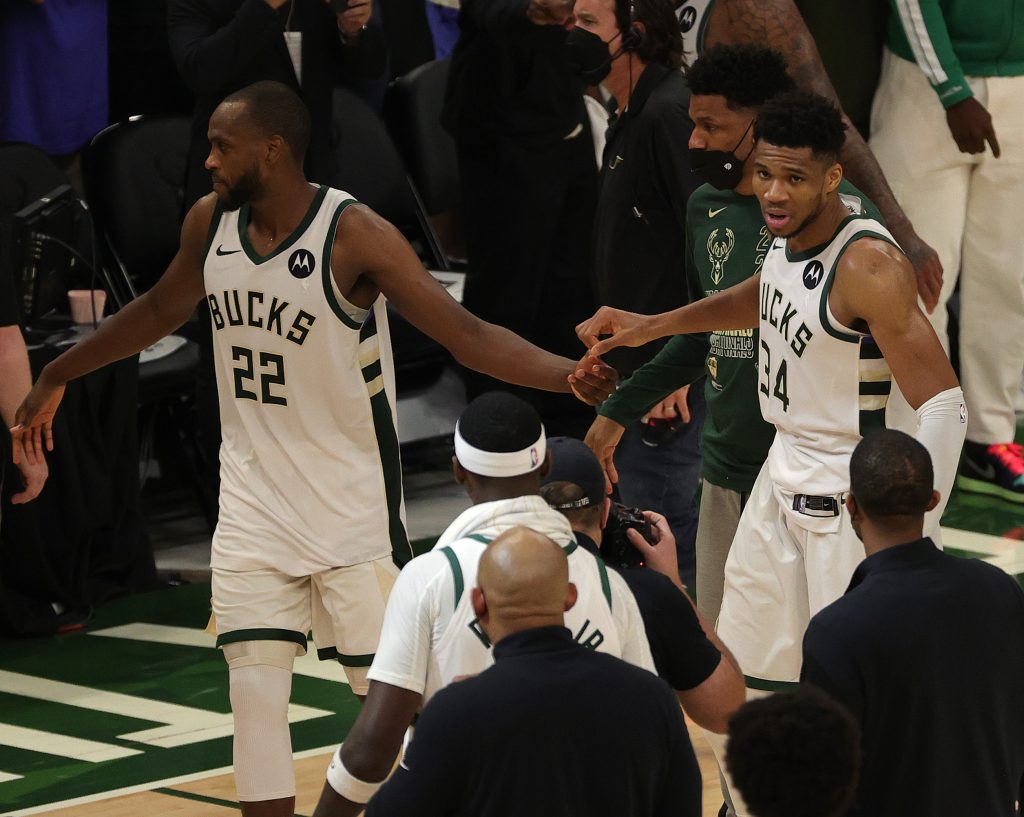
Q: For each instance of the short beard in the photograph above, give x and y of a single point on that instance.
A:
(242, 191)
(807, 221)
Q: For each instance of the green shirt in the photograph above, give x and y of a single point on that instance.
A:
(726, 244)
(950, 38)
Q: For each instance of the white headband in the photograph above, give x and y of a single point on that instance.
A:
(500, 463)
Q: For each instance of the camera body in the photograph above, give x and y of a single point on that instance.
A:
(616, 549)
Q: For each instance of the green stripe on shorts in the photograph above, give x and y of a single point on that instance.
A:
(770, 686)
(261, 634)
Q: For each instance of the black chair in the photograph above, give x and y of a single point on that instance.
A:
(367, 165)
(412, 110)
(134, 173)
(26, 175)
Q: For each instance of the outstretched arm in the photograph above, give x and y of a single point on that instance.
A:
(368, 247)
(140, 324)
(778, 24)
(733, 308)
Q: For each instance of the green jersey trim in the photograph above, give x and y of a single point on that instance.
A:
(262, 634)
(811, 252)
(703, 29)
(391, 467)
(606, 586)
(841, 332)
(479, 537)
(838, 332)
(296, 234)
(873, 394)
(211, 233)
(453, 563)
(325, 269)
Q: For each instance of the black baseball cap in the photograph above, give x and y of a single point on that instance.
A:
(572, 461)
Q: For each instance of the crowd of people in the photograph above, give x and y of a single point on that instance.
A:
(667, 217)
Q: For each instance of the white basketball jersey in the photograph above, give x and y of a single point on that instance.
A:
(464, 649)
(693, 21)
(310, 474)
(821, 384)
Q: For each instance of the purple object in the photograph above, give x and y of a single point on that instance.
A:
(53, 73)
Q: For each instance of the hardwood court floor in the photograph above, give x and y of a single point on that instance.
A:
(131, 715)
(215, 796)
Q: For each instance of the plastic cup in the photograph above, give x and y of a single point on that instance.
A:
(82, 301)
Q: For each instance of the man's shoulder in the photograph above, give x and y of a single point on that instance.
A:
(670, 96)
(425, 571)
(977, 572)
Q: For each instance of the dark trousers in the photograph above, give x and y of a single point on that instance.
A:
(529, 212)
(665, 478)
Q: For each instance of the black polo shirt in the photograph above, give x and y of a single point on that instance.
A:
(552, 729)
(682, 653)
(645, 182)
(927, 652)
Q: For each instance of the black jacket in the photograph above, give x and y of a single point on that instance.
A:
(927, 651)
(551, 729)
(510, 79)
(645, 184)
(221, 46)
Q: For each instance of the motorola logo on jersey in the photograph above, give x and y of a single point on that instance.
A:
(687, 17)
(813, 273)
(301, 263)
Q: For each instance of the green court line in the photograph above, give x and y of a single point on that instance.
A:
(197, 677)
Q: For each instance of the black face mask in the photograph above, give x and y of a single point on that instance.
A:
(722, 169)
(588, 55)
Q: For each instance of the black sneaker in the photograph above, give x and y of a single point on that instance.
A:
(996, 470)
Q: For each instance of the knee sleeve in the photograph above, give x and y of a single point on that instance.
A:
(262, 742)
(357, 679)
(259, 653)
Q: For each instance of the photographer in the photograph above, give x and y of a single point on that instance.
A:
(687, 653)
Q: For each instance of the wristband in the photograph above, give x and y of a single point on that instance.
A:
(348, 785)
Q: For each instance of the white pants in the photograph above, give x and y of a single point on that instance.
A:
(968, 207)
(782, 568)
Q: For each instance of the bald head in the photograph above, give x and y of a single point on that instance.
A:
(522, 582)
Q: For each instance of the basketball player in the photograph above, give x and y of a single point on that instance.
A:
(836, 309)
(431, 636)
(295, 277)
(727, 241)
(777, 24)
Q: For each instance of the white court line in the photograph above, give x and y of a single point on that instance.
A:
(184, 724)
(308, 665)
(156, 784)
(999, 551)
(50, 743)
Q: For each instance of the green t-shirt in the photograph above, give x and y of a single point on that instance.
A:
(726, 244)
